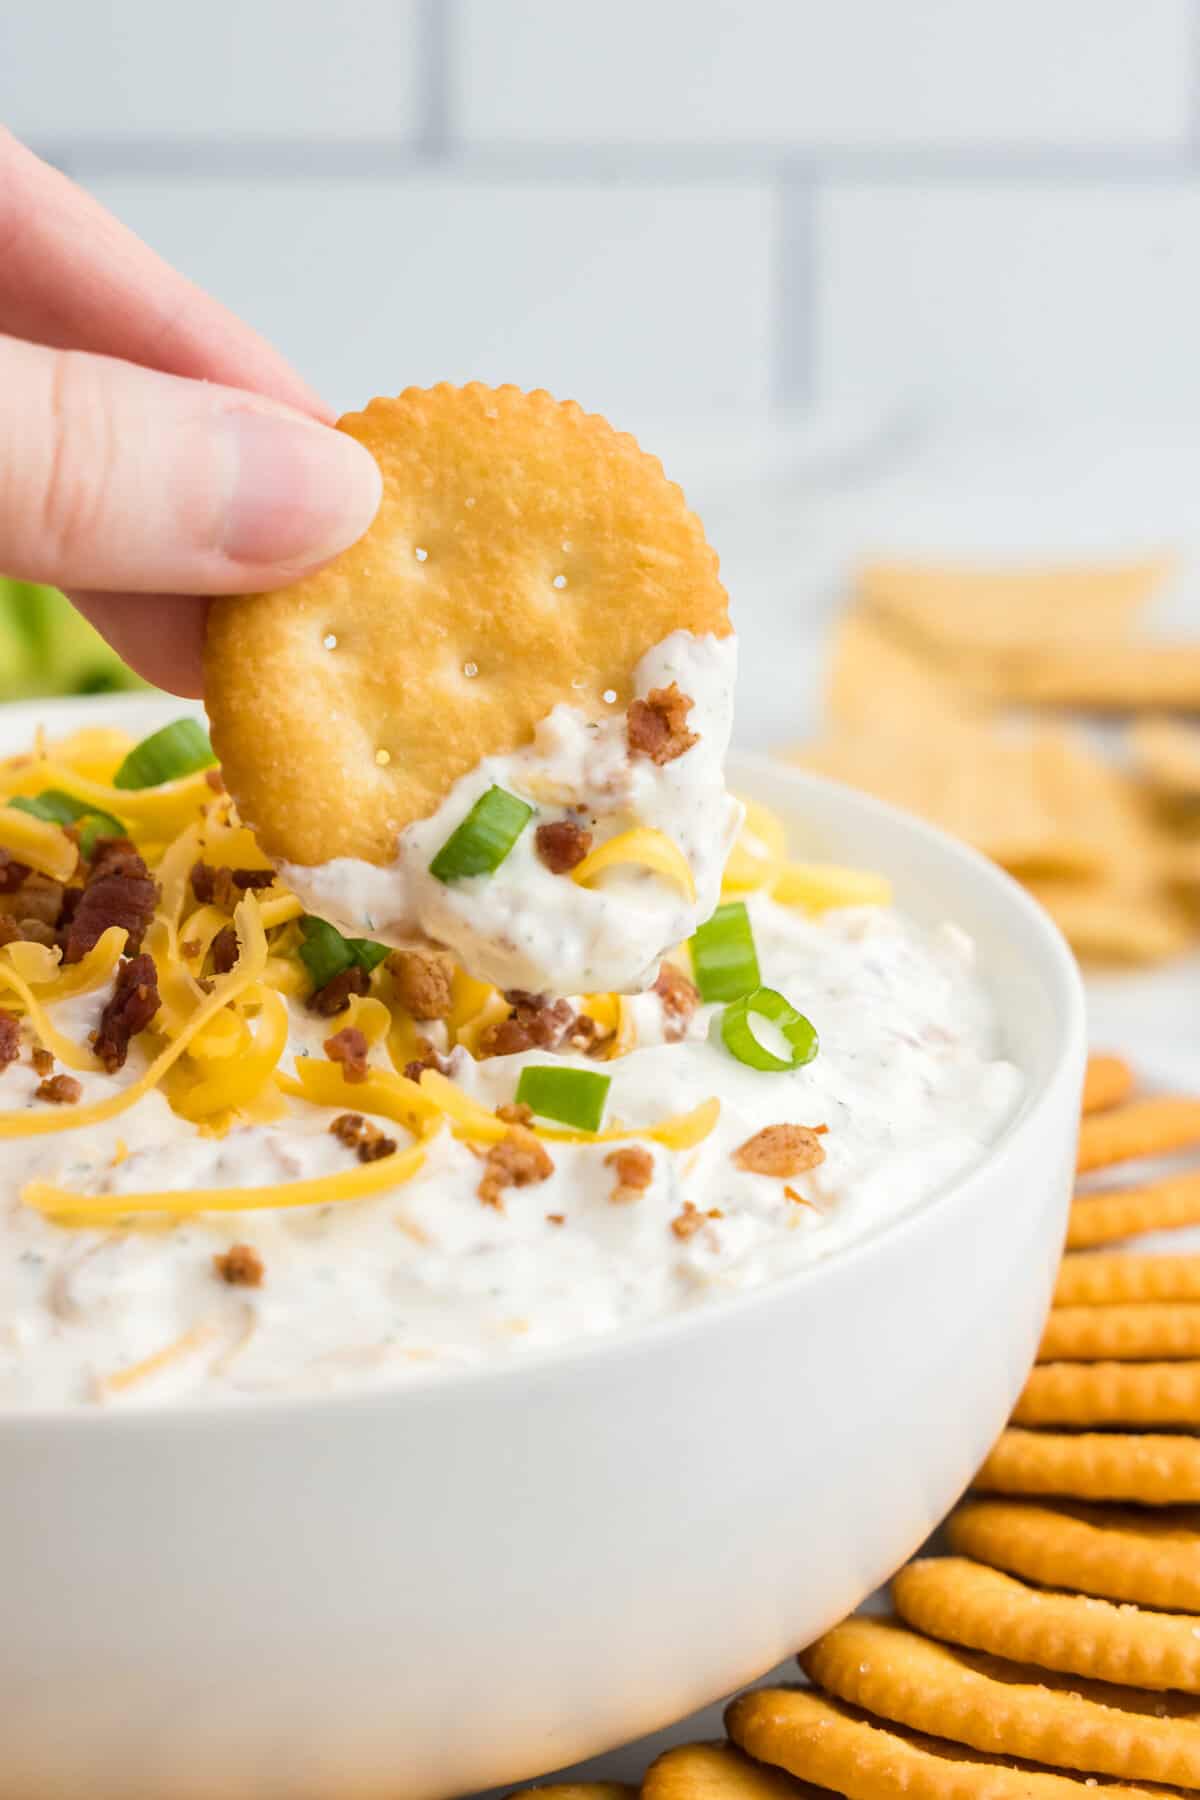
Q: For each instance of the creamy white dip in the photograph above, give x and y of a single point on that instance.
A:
(524, 927)
(911, 1082)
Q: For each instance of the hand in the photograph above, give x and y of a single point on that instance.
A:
(153, 449)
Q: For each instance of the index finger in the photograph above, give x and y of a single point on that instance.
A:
(73, 277)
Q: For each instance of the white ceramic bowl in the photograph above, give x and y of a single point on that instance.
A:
(485, 1575)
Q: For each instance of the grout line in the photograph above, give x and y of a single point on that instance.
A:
(794, 294)
(438, 23)
(389, 159)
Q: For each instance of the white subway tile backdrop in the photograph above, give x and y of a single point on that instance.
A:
(733, 211)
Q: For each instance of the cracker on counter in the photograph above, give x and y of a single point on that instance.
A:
(1094, 1727)
(1107, 1082)
(983, 1609)
(988, 628)
(1141, 1331)
(715, 1772)
(1110, 1277)
(1109, 1215)
(524, 554)
(1129, 677)
(879, 684)
(1121, 922)
(823, 1741)
(1167, 753)
(1151, 1469)
(1116, 1553)
(1148, 1127)
(1010, 795)
(577, 1790)
(1111, 1393)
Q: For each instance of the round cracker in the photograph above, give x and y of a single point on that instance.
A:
(1138, 1332)
(1001, 1709)
(1107, 1216)
(1153, 1469)
(524, 554)
(1140, 1128)
(1108, 1081)
(715, 1772)
(1111, 1393)
(1113, 1552)
(983, 1609)
(1111, 1277)
(822, 1740)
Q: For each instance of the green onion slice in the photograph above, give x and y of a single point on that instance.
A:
(178, 749)
(737, 1031)
(58, 808)
(724, 960)
(574, 1096)
(326, 953)
(480, 844)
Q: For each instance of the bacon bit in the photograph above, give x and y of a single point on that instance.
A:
(10, 931)
(635, 1172)
(10, 1039)
(518, 1160)
(556, 1218)
(60, 1090)
(791, 1194)
(36, 931)
(350, 1048)
(535, 1022)
(657, 726)
(359, 1135)
(515, 1112)
(42, 1061)
(120, 891)
(782, 1150)
(423, 982)
(37, 900)
(12, 873)
(680, 998)
(589, 1038)
(561, 844)
(334, 997)
(687, 1223)
(426, 1058)
(240, 1266)
(132, 1005)
(224, 887)
(225, 950)
(191, 946)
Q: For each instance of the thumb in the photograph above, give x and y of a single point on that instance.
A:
(116, 477)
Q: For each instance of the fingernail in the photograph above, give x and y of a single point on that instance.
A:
(298, 493)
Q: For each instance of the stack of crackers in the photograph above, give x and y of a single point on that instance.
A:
(1057, 1647)
(962, 694)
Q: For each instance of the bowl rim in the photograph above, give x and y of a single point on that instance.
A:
(1058, 970)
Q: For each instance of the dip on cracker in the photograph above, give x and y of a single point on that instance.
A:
(498, 722)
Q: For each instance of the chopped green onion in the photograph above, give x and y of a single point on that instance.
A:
(178, 749)
(737, 1031)
(63, 809)
(724, 959)
(573, 1096)
(480, 844)
(326, 953)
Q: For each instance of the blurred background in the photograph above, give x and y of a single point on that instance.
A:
(872, 278)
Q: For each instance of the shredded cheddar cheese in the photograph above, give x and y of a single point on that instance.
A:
(642, 848)
(38, 843)
(69, 1207)
(819, 886)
